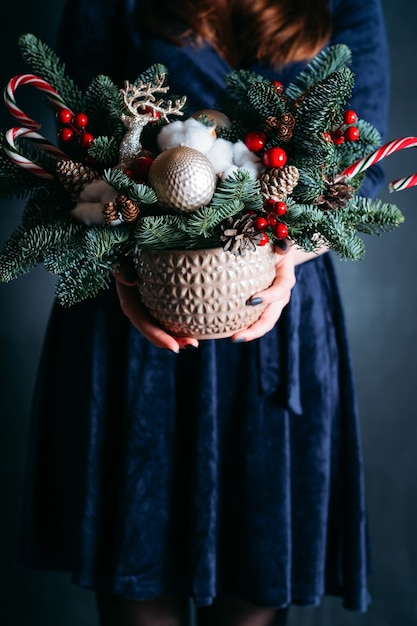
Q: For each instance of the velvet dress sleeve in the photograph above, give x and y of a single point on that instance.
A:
(360, 25)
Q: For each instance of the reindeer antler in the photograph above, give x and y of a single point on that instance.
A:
(142, 96)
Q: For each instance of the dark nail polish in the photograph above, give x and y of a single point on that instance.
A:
(281, 243)
(255, 301)
(130, 276)
(239, 340)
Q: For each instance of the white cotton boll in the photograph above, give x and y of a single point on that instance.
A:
(232, 169)
(171, 135)
(95, 190)
(89, 213)
(241, 154)
(254, 169)
(198, 136)
(221, 155)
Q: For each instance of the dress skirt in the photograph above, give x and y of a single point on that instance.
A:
(228, 469)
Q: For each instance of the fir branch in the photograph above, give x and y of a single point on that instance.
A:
(105, 150)
(161, 232)
(350, 151)
(330, 60)
(203, 221)
(27, 247)
(99, 242)
(123, 184)
(47, 64)
(265, 100)
(239, 82)
(104, 106)
(321, 110)
(240, 186)
(374, 217)
(82, 281)
(151, 74)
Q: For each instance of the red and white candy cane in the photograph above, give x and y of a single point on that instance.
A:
(374, 157)
(29, 126)
(12, 151)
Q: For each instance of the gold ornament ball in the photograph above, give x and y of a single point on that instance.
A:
(183, 179)
(218, 119)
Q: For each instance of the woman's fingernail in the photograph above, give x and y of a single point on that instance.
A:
(281, 243)
(189, 346)
(130, 276)
(255, 301)
(239, 340)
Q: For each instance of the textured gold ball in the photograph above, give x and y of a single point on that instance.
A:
(183, 179)
(218, 119)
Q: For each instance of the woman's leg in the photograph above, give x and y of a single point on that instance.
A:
(228, 611)
(164, 611)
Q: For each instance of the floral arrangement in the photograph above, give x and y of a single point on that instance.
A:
(135, 169)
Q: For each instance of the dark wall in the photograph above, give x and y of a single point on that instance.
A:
(381, 308)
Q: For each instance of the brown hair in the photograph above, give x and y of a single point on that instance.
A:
(244, 31)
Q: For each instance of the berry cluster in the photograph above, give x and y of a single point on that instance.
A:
(74, 128)
(346, 131)
(271, 221)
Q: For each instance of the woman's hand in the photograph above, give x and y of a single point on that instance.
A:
(276, 296)
(134, 310)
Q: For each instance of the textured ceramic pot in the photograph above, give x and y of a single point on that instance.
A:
(204, 293)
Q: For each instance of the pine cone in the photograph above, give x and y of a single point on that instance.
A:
(110, 213)
(278, 182)
(74, 176)
(336, 193)
(282, 127)
(128, 209)
(239, 234)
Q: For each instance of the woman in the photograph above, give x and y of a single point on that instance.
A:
(230, 474)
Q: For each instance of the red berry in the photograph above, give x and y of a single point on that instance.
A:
(66, 134)
(277, 86)
(141, 167)
(327, 137)
(263, 240)
(272, 219)
(80, 120)
(270, 205)
(352, 133)
(281, 208)
(338, 137)
(64, 116)
(255, 140)
(281, 231)
(86, 140)
(260, 223)
(129, 172)
(349, 117)
(274, 157)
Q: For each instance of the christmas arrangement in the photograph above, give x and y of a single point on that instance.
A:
(135, 170)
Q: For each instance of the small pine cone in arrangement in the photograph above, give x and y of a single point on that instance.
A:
(74, 176)
(278, 182)
(239, 235)
(282, 126)
(128, 209)
(336, 193)
(110, 213)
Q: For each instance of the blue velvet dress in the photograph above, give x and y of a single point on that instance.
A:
(230, 469)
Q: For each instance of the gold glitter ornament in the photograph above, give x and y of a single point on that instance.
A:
(183, 179)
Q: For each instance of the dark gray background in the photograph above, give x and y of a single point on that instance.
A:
(381, 309)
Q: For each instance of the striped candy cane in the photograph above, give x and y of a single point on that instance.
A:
(12, 150)
(374, 157)
(29, 125)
